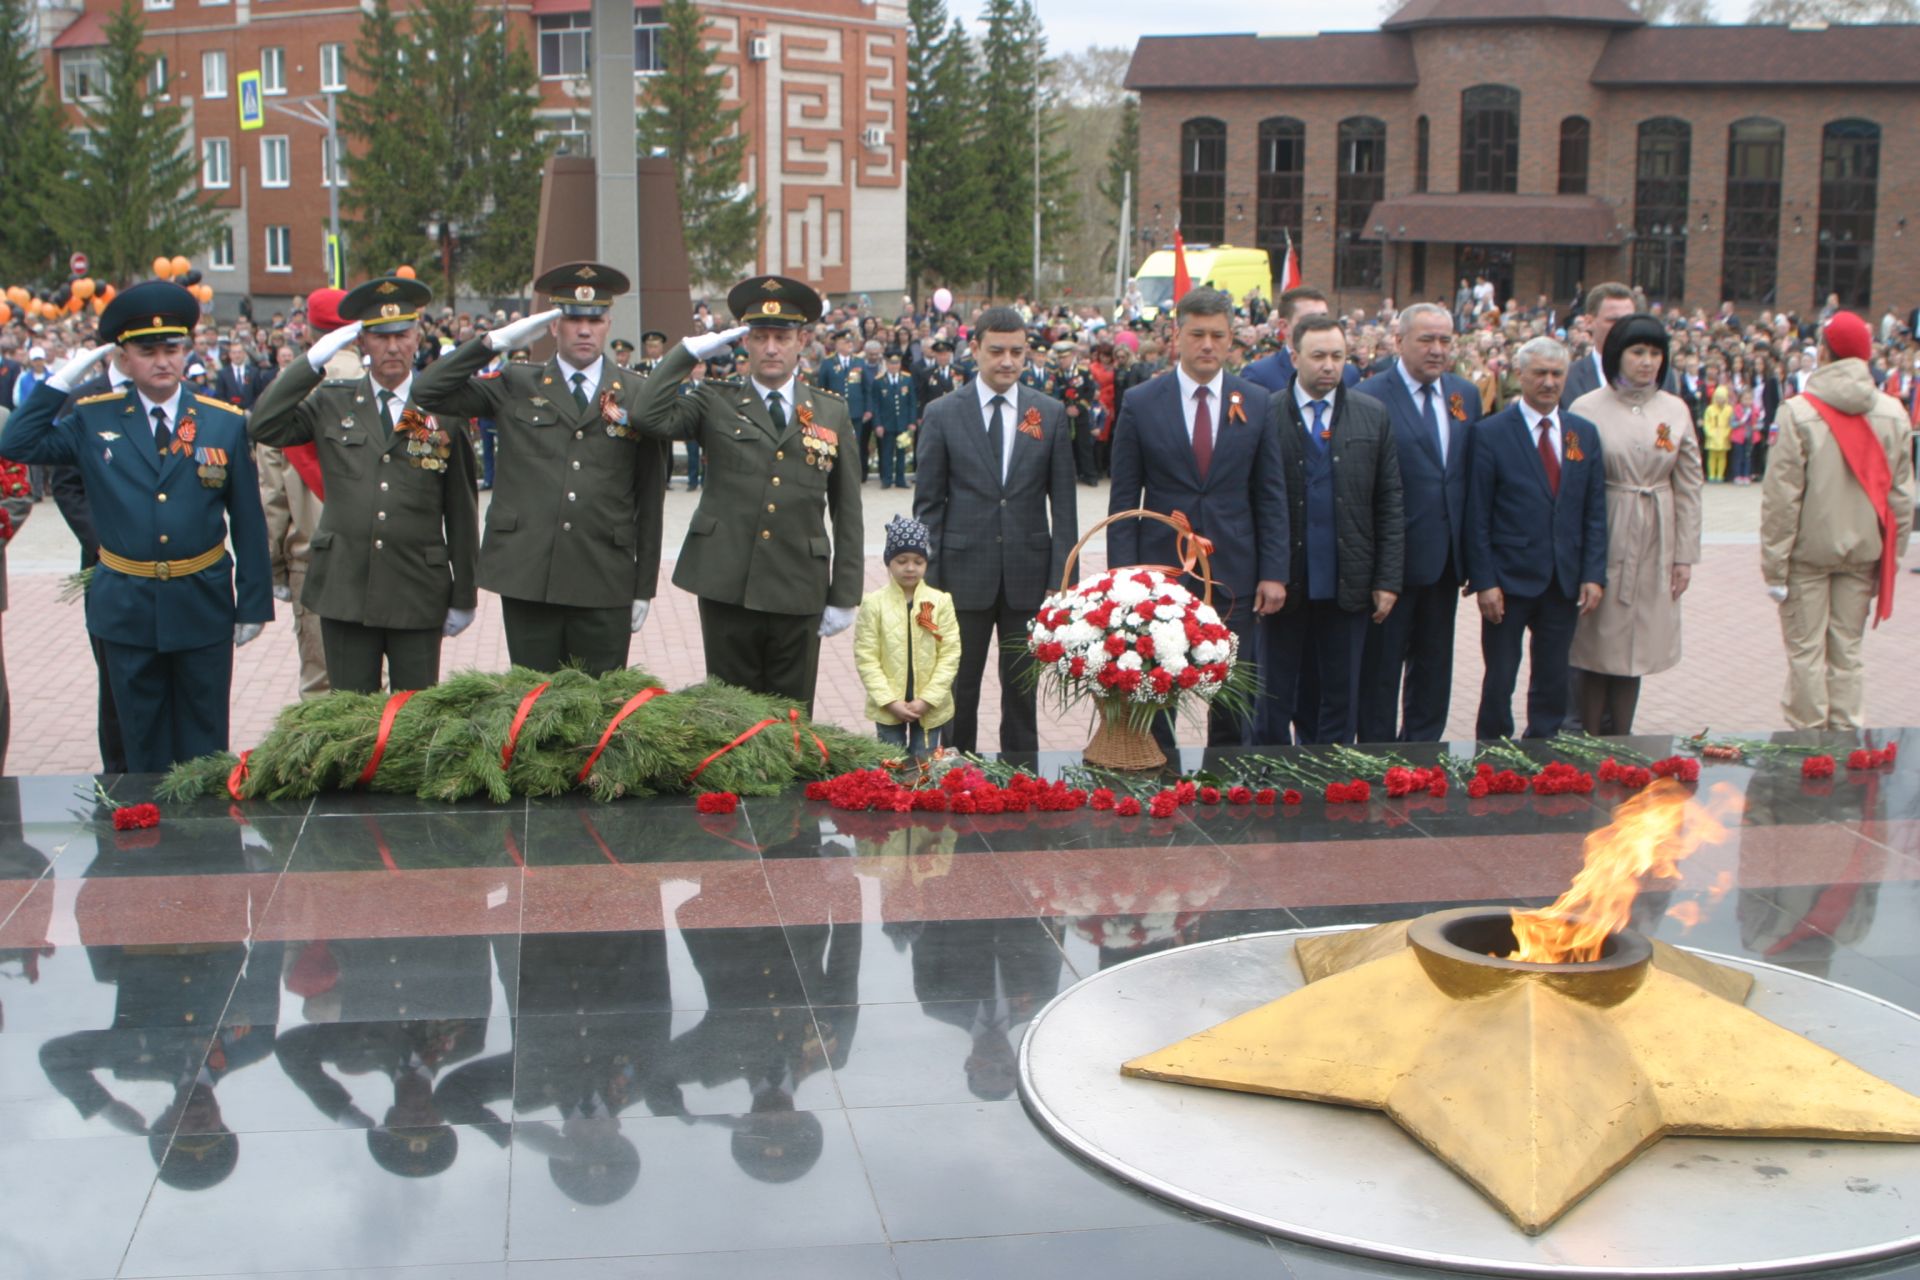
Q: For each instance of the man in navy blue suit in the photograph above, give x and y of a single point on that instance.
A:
(1536, 540)
(1275, 372)
(1406, 673)
(1199, 442)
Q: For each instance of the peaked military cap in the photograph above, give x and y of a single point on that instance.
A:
(583, 288)
(651, 334)
(621, 344)
(388, 304)
(941, 344)
(156, 311)
(774, 302)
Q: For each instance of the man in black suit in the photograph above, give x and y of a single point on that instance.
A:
(994, 460)
(1607, 303)
(1346, 526)
(240, 379)
(1199, 441)
(1406, 674)
(1275, 372)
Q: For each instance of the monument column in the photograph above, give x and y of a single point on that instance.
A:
(616, 186)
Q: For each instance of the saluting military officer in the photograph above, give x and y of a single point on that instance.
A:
(393, 559)
(779, 464)
(170, 474)
(573, 535)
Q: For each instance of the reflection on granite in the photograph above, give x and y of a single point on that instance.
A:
(369, 1036)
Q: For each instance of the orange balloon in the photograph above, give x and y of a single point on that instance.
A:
(17, 295)
(163, 268)
(74, 305)
(181, 266)
(109, 292)
(99, 305)
(206, 293)
(6, 313)
(83, 289)
(404, 272)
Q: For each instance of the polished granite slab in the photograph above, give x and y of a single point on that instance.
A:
(370, 1036)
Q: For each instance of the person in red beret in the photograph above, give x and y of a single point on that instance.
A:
(1836, 510)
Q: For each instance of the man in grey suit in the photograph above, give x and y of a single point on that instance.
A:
(994, 460)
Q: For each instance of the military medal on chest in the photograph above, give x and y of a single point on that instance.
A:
(619, 425)
(821, 443)
(212, 467)
(428, 447)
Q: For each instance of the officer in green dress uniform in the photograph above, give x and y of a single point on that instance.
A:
(573, 536)
(170, 475)
(622, 353)
(771, 581)
(393, 559)
(653, 348)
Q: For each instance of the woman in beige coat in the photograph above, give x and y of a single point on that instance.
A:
(1653, 523)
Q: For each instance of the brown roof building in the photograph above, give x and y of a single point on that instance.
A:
(1547, 144)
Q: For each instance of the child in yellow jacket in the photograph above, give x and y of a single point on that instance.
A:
(906, 646)
(1718, 425)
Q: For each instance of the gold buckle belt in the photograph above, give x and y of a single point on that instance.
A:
(162, 569)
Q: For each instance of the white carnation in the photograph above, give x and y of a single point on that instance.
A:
(1127, 591)
(1129, 661)
(1096, 660)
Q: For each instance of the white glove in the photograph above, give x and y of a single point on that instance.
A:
(282, 592)
(705, 346)
(458, 620)
(73, 372)
(245, 631)
(834, 621)
(1779, 594)
(640, 608)
(329, 345)
(509, 337)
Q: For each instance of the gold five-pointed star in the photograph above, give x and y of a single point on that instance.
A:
(1535, 1085)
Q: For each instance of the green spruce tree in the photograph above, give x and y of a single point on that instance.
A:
(35, 157)
(387, 192)
(1014, 54)
(137, 195)
(510, 159)
(681, 117)
(944, 179)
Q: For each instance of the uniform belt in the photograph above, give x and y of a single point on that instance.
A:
(162, 569)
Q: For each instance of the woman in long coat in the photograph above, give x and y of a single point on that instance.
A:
(1653, 523)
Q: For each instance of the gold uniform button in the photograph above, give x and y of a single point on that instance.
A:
(579, 435)
(570, 497)
(776, 482)
(576, 464)
(383, 489)
(163, 539)
(566, 526)
(769, 506)
(379, 515)
(163, 497)
(765, 534)
(377, 544)
(780, 455)
(384, 460)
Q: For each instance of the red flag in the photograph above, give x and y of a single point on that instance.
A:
(1290, 268)
(1182, 282)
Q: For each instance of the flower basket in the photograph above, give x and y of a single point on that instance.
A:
(1136, 641)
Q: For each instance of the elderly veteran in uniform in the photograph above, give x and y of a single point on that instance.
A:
(393, 557)
(170, 475)
(780, 464)
(573, 535)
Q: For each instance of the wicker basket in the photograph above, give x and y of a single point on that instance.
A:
(1117, 742)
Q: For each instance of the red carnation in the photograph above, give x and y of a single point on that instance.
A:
(1144, 646)
(1185, 792)
(136, 817)
(1163, 805)
(1127, 807)
(1101, 798)
(819, 791)
(1116, 644)
(1239, 795)
(1478, 789)
(1187, 678)
(1162, 681)
(1290, 796)
(1209, 795)
(1077, 668)
(1265, 795)
(1817, 767)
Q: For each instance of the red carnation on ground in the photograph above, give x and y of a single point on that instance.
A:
(1817, 767)
(136, 817)
(1185, 792)
(1127, 807)
(1265, 795)
(1101, 798)
(1679, 768)
(1163, 805)
(1290, 796)
(1240, 795)
(1209, 795)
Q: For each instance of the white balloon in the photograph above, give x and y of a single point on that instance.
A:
(943, 299)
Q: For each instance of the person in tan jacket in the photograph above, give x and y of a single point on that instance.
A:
(1836, 510)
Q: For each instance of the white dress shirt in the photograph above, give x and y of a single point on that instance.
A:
(1416, 389)
(171, 406)
(1554, 432)
(786, 396)
(403, 393)
(1009, 417)
(1306, 403)
(591, 387)
(1214, 408)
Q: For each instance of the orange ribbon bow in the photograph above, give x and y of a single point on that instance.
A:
(924, 620)
(1030, 424)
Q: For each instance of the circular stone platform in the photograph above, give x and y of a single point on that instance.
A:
(1353, 1180)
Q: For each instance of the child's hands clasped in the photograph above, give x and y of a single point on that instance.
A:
(908, 711)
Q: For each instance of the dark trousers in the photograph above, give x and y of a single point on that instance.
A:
(693, 464)
(893, 458)
(1019, 729)
(173, 706)
(866, 449)
(1224, 729)
(1551, 618)
(486, 452)
(1086, 463)
(546, 637)
(113, 750)
(354, 653)
(771, 653)
(1331, 638)
(1406, 672)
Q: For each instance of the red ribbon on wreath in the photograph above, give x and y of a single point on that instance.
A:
(633, 704)
(519, 722)
(793, 718)
(238, 778)
(391, 710)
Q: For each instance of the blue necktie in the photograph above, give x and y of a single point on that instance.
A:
(1319, 408)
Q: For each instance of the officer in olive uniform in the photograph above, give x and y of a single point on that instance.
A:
(896, 408)
(1073, 386)
(393, 559)
(622, 352)
(170, 474)
(771, 583)
(573, 535)
(940, 377)
(653, 348)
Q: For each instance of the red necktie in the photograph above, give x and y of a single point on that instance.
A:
(1547, 457)
(1202, 432)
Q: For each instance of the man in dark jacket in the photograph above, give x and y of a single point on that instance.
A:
(1347, 552)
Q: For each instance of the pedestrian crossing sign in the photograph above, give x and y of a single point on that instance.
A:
(253, 107)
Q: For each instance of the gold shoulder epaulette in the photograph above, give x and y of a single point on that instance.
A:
(831, 395)
(103, 397)
(222, 404)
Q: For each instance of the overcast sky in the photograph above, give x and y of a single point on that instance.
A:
(1077, 24)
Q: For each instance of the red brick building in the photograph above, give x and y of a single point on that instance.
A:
(1546, 143)
(823, 85)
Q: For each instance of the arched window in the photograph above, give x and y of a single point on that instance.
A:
(1576, 145)
(1422, 143)
(1750, 262)
(1849, 197)
(1360, 183)
(1283, 175)
(1662, 166)
(1203, 181)
(1490, 138)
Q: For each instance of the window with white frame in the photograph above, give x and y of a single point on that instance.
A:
(274, 170)
(333, 68)
(222, 259)
(213, 73)
(566, 43)
(273, 69)
(157, 85)
(332, 172)
(279, 248)
(649, 33)
(216, 162)
(157, 4)
(83, 75)
(82, 141)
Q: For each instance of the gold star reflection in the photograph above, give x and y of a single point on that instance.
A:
(1534, 1083)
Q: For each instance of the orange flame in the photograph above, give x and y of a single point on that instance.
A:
(1688, 913)
(1646, 840)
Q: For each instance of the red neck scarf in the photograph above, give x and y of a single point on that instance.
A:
(1868, 462)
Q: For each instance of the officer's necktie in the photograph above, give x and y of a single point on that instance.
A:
(1549, 459)
(1433, 421)
(1202, 432)
(580, 389)
(386, 409)
(1319, 408)
(777, 412)
(997, 435)
(160, 437)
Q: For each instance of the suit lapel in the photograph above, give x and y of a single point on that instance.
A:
(1424, 431)
(136, 435)
(748, 404)
(1456, 430)
(1528, 442)
(982, 443)
(1178, 441)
